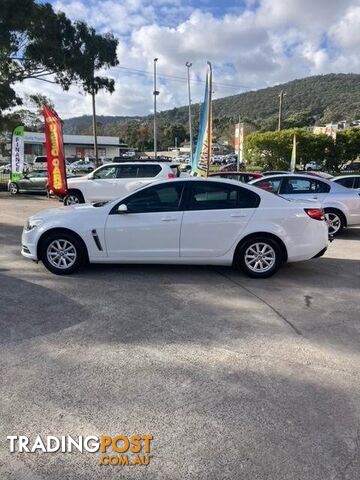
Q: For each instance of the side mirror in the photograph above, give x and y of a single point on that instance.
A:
(122, 208)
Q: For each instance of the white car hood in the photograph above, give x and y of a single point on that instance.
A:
(82, 208)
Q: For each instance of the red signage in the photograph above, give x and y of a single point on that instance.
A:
(54, 152)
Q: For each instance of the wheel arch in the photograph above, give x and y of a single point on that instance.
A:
(338, 211)
(266, 235)
(75, 190)
(59, 230)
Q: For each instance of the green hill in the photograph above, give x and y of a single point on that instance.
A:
(312, 100)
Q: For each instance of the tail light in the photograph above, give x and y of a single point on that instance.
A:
(315, 213)
(170, 175)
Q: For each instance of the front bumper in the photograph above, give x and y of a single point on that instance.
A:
(28, 245)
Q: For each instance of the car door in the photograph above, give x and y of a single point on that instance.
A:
(39, 182)
(214, 217)
(150, 229)
(102, 184)
(293, 187)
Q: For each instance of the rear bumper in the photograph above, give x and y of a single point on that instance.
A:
(321, 253)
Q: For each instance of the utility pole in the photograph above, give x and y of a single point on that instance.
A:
(96, 153)
(281, 99)
(188, 65)
(155, 93)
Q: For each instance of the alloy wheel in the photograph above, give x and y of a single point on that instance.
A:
(61, 254)
(334, 222)
(260, 257)
(72, 200)
(13, 189)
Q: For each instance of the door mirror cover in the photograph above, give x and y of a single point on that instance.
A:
(122, 208)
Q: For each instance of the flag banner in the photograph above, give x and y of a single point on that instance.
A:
(293, 155)
(201, 160)
(54, 152)
(17, 153)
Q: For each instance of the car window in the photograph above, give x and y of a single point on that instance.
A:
(145, 171)
(127, 171)
(106, 172)
(269, 184)
(160, 198)
(356, 182)
(40, 160)
(295, 186)
(345, 182)
(217, 196)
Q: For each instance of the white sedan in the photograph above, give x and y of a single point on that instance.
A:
(341, 205)
(185, 221)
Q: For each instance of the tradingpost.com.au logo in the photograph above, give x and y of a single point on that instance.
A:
(117, 450)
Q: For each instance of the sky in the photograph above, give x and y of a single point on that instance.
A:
(252, 44)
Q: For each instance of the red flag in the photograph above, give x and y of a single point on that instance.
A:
(54, 152)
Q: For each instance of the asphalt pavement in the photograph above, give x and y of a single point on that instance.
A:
(234, 378)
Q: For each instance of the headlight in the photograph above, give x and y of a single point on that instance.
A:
(31, 224)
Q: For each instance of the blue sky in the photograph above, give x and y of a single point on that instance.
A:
(251, 44)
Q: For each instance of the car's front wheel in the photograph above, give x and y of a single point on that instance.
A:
(62, 253)
(13, 188)
(73, 198)
(259, 257)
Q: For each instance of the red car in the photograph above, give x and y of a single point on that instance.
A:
(244, 177)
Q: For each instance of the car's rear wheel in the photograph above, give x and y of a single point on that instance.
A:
(335, 221)
(13, 188)
(73, 198)
(259, 257)
(62, 253)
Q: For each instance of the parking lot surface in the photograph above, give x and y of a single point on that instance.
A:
(235, 378)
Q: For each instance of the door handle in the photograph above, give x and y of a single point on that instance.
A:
(168, 219)
(315, 197)
(238, 215)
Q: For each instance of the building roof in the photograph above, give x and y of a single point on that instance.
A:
(38, 137)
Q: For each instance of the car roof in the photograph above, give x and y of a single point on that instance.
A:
(214, 174)
(139, 163)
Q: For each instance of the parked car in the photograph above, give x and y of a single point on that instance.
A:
(351, 167)
(84, 166)
(348, 181)
(114, 180)
(30, 183)
(185, 221)
(244, 177)
(40, 163)
(33, 182)
(6, 169)
(341, 205)
(312, 166)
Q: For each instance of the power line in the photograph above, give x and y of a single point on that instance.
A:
(183, 79)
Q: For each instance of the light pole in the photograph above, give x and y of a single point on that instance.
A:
(155, 93)
(188, 65)
(281, 99)
(96, 152)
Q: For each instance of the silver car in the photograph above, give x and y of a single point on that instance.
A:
(341, 205)
(34, 182)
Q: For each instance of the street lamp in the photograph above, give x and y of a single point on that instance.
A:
(188, 65)
(155, 93)
(281, 99)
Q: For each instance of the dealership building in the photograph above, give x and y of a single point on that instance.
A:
(75, 146)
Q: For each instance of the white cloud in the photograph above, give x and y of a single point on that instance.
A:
(267, 42)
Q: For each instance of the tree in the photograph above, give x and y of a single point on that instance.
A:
(36, 42)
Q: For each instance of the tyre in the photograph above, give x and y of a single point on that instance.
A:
(73, 198)
(259, 257)
(13, 188)
(62, 253)
(335, 220)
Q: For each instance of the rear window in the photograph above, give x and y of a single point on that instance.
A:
(345, 182)
(145, 171)
(40, 160)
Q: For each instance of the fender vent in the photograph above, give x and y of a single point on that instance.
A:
(96, 239)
